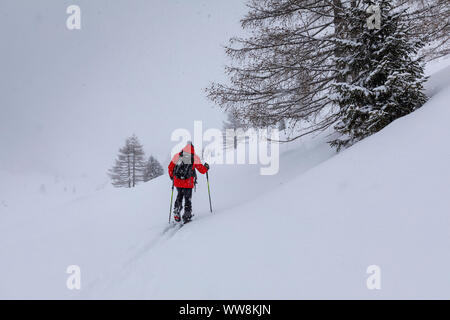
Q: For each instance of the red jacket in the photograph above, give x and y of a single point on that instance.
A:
(186, 183)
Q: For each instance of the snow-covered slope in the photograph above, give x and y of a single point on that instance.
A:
(309, 232)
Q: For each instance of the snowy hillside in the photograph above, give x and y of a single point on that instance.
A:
(310, 231)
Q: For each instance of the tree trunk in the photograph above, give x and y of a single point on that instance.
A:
(338, 31)
(129, 171)
(134, 168)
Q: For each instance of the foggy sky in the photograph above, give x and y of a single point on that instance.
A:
(68, 99)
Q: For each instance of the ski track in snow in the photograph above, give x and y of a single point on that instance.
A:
(107, 279)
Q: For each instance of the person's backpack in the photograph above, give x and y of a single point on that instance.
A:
(184, 168)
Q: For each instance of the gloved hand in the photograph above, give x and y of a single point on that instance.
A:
(171, 178)
(206, 165)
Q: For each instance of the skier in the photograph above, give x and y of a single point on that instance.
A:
(182, 172)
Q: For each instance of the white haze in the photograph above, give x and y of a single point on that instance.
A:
(70, 98)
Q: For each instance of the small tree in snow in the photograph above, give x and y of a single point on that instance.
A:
(130, 164)
(153, 169)
(232, 124)
(379, 80)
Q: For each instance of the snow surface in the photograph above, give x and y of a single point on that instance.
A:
(310, 231)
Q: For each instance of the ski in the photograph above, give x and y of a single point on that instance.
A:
(176, 225)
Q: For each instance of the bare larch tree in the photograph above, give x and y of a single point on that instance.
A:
(284, 69)
(129, 167)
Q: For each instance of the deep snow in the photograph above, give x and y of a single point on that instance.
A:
(310, 231)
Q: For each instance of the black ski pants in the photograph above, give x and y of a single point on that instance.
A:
(185, 193)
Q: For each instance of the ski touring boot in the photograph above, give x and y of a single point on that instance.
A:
(176, 216)
(187, 217)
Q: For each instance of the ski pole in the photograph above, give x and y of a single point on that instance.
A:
(209, 192)
(171, 198)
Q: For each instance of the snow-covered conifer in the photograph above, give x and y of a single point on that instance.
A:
(380, 78)
(153, 169)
